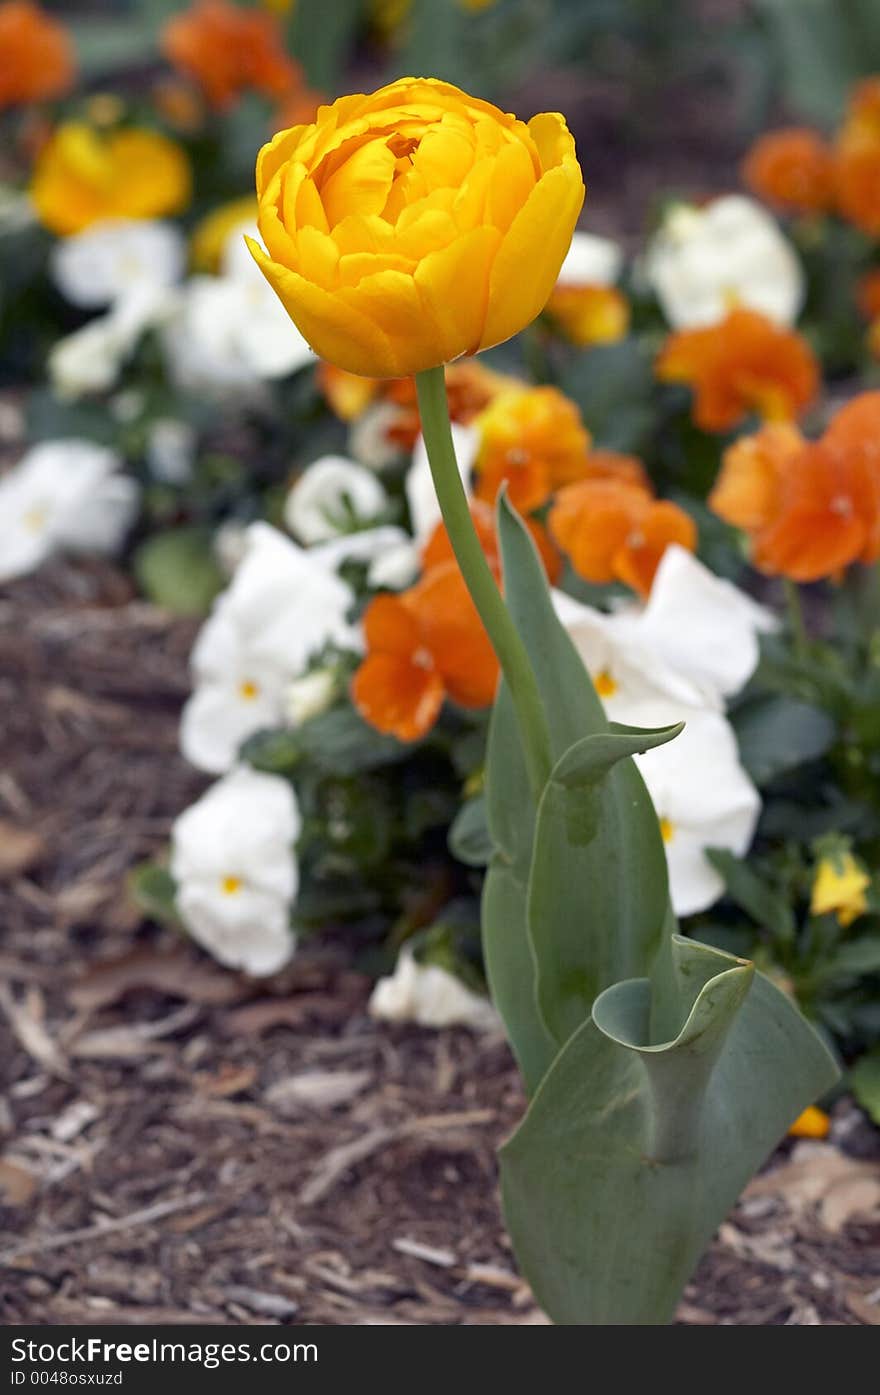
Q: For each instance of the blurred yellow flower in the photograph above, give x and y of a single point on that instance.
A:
(588, 315)
(813, 1123)
(414, 225)
(212, 232)
(839, 886)
(83, 175)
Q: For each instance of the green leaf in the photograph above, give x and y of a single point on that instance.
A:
(154, 890)
(323, 39)
(598, 862)
(767, 908)
(633, 1151)
(777, 734)
(469, 839)
(613, 384)
(336, 742)
(864, 1080)
(177, 570)
(851, 960)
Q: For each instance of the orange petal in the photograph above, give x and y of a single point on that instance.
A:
(390, 627)
(637, 561)
(397, 696)
(454, 635)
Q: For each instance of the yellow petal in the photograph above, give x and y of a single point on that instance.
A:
(392, 301)
(318, 257)
(512, 179)
(279, 150)
(334, 329)
(361, 184)
(454, 284)
(553, 139)
(532, 252)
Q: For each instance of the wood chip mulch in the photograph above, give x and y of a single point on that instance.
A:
(179, 1145)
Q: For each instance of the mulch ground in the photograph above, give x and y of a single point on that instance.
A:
(180, 1145)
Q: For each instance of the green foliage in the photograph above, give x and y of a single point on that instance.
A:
(153, 890)
(178, 570)
(864, 1078)
(641, 1049)
(822, 47)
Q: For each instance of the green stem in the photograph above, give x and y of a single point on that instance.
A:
(796, 617)
(503, 634)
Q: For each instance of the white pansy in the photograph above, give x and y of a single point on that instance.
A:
(369, 440)
(309, 696)
(395, 568)
(281, 608)
(697, 624)
(234, 864)
(591, 261)
(703, 261)
(702, 795)
(91, 359)
(107, 260)
(331, 496)
(170, 451)
(63, 494)
(429, 996)
(231, 331)
(387, 547)
(623, 672)
(424, 511)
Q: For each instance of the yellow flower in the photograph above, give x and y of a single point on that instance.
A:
(84, 175)
(412, 226)
(588, 315)
(840, 885)
(212, 232)
(813, 1123)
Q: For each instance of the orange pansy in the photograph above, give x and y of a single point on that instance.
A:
(747, 491)
(422, 646)
(587, 315)
(227, 51)
(745, 364)
(37, 55)
(612, 464)
(617, 531)
(858, 183)
(438, 548)
(792, 169)
(532, 439)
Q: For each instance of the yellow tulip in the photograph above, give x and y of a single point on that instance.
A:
(412, 226)
(84, 175)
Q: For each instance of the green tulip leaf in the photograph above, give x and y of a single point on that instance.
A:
(632, 1151)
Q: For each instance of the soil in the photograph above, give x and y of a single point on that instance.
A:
(178, 1144)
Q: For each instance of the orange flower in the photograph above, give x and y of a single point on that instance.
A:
(747, 491)
(858, 183)
(744, 364)
(613, 465)
(587, 315)
(438, 548)
(868, 294)
(811, 509)
(228, 51)
(423, 646)
(793, 169)
(863, 111)
(348, 395)
(469, 388)
(37, 55)
(616, 531)
(535, 440)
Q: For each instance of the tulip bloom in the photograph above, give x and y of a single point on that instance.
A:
(743, 365)
(38, 59)
(407, 228)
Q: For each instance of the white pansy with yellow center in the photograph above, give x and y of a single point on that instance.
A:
(697, 624)
(63, 494)
(622, 672)
(430, 996)
(704, 261)
(282, 607)
(702, 795)
(331, 497)
(107, 260)
(235, 869)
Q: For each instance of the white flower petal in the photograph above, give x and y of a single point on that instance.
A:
(429, 996)
(321, 502)
(98, 266)
(591, 261)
